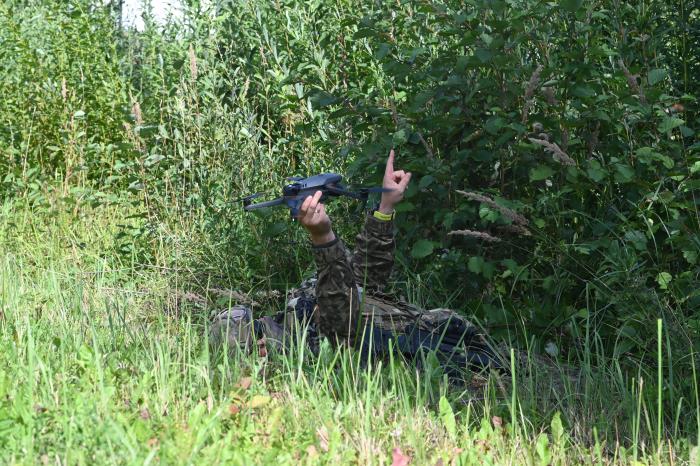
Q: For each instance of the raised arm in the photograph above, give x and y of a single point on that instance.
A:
(336, 292)
(373, 258)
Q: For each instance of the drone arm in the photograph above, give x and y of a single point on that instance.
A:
(344, 192)
(262, 205)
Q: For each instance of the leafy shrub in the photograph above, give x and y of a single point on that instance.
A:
(570, 116)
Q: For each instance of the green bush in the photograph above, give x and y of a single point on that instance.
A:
(571, 129)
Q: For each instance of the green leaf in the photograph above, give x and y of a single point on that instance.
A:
(637, 238)
(664, 279)
(448, 417)
(494, 124)
(623, 173)
(542, 448)
(670, 123)
(571, 5)
(656, 75)
(484, 55)
(595, 171)
(399, 137)
(153, 159)
(475, 264)
(541, 172)
(557, 429)
(583, 91)
(383, 50)
(691, 257)
(426, 181)
(422, 248)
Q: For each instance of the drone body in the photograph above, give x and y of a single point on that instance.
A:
(293, 194)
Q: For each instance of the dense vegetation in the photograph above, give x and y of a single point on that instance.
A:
(553, 146)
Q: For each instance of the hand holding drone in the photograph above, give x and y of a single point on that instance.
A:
(294, 193)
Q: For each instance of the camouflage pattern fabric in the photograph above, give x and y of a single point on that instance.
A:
(342, 277)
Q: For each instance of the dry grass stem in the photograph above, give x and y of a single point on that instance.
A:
(193, 63)
(557, 154)
(475, 234)
(136, 111)
(427, 147)
(510, 214)
(530, 91)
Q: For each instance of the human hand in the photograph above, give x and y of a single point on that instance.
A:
(312, 215)
(396, 182)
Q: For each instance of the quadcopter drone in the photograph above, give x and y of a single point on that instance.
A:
(293, 194)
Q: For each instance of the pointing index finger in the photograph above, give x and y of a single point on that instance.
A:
(390, 163)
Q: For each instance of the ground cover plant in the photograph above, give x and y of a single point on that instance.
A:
(555, 201)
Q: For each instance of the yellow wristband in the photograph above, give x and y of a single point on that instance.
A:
(383, 217)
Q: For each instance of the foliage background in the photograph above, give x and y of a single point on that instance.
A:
(177, 122)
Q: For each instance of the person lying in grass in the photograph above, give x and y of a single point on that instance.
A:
(344, 302)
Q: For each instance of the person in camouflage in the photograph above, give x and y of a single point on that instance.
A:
(345, 301)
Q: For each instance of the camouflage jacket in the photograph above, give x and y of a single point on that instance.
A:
(348, 298)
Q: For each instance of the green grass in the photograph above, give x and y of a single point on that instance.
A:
(105, 361)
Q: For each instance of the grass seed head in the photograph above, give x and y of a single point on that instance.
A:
(510, 214)
(557, 154)
(193, 63)
(482, 235)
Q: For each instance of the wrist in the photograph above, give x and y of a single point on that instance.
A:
(322, 238)
(386, 208)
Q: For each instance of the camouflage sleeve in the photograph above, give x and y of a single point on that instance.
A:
(374, 254)
(336, 292)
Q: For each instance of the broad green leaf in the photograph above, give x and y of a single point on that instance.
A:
(623, 173)
(637, 238)
(656, 75)
(664, 279)
(448, 417)
(542, 448)
(486, 213)
(383, 50)
(691, 256)
(583, 91)
(494, 124)
(153, 159)
(541, 172)
(557, 429)
(476, 264)
(595, 171)
(422, 248)
(484, 55)
(426, 181)
(670, 123)
(571, 5)
(399, 137)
